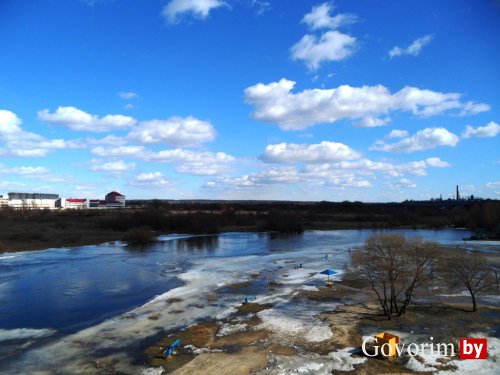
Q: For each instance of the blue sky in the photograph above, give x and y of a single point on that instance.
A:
(250, 99)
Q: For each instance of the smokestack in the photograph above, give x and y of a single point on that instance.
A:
(458, 194)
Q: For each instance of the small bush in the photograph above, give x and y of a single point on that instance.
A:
(139, 236)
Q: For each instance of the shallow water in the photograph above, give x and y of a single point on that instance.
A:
(57, 299)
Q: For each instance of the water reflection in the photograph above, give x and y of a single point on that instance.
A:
(205, 244)
(284, 235)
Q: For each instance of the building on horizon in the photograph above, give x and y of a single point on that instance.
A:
(4, 200)
(75, 203)
(115, 199)
(32, 200)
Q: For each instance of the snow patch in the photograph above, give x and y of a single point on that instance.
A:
(152, 371)
(415, 365)
(312, 364)
(24, 333)
(228, 329)
(344, 361)
(197, 351)
(312, 330)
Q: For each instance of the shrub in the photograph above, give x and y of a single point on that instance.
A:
(139, 236)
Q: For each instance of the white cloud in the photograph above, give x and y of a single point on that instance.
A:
(372, 122)
(151, 180)
(413, 49)
(489, 130)
(422, 140)
(192, 162)
(109, 140)
(18, 142)
(197, 8)
(276, 103)
(113, 167)
(79, 120)
(9, 123)
(472, 108)
(35, 173)
(175, 131)
(277, 175)
(25, 171)
(437, 163)
(11, 185)
(366, 167)
(118, 151)
(401, 184)
(494, 185)
(320, 18)
(127, 95)
(315, 153)
(319, 177)
(331, 46)
(396, 133)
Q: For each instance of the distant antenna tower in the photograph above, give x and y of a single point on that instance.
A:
(458, 194)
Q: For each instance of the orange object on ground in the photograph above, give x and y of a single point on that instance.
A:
(390, 341)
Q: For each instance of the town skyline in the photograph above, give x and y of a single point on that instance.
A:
(250, 100)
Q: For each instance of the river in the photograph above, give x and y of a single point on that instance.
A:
(54, 298)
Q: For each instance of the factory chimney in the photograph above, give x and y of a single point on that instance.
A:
(458, 194)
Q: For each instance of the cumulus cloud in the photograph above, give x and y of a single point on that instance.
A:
(79, 120)
(367, 167)
(276, 102)
(118, 151)
(35, 173)
(8, 185)
(488, 131)
(396, 133)
(310, 172)
(320, 18)
(112, 167)
(413, 49)
(150, 180)
(422, 140)
(109, 140)
(175, 131)
(472, 108)
(313, 153)
(331, 46)
(200, 9)
(437, 163)
(18, 142)
(26, 171)
(193, 162)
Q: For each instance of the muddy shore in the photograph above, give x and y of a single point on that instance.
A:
(240, 344)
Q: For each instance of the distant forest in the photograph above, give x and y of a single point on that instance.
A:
(213, 217)
(218, 216)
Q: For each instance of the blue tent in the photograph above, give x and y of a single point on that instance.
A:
(328, 272)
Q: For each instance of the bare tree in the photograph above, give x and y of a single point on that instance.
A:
(394, 267)
(471, 271)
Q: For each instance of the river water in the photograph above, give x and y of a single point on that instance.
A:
(54, 302)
